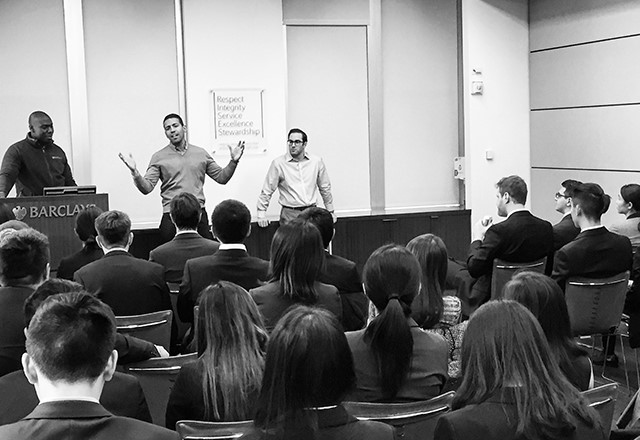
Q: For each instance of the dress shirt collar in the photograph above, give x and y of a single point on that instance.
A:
(114, 249)
(66, 398)
(173, 147)
(186, 231)
(516, 210)
(588, 228)
(289, 158)
(227, 246)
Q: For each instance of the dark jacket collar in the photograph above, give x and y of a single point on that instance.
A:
(117, 253)
(594, 232)
(68, 409)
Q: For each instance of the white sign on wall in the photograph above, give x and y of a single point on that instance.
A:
(238, 116)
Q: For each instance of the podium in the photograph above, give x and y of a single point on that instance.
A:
(55, 216)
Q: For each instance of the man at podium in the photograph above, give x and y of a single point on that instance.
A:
(35, 162)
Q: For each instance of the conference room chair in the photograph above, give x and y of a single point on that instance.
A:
(412, 420)
(153, 327)
(192, 430)
(603, 400)
(595, 307)
(157, 376)
(503, 271)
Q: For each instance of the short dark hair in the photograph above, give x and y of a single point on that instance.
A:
(631, 194)
(24, 256)
(323, 220)
(51, 287)
(231, 221)
(71, 337)
(592, 199)
(569, 185)
(185, 211)
(297, 130)
(37, 114)
(515, 186)
(86, 223)
(309, 364)
(114, 227)
(172, 116)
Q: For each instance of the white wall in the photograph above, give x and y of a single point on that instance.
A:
(495, 41)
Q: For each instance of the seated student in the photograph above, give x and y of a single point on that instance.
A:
(308, 372)
(86, 231)
(69, 357)
(297, 256)
(628, 204)
(122, 396)
(24, 265)
(543, 297)
(431, 308)
(395, 360)
(231, 225)
(512, 387)
(339, 272)
(185, 212)
(223, 384)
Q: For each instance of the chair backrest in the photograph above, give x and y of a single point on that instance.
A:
(603, 400)
(194, 430)
(503, 271)
(157, 376)
(595, 305)
(412, 420)
(153, 327)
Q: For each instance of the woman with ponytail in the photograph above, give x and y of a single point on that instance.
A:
(628, 204)
(394, 359)
(90, 252)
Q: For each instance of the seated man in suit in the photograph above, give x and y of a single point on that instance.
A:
(595, 252)
(129, 285)
(565, 230)
(122, 396)
(69, 357)
(185, 214)
(521, 238)
(24, 265)
(231, 224)
(340, 272)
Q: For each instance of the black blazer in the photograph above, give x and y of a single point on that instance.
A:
(121, 396)
(129, 285)
(233, 265)
(595, 253)
(75, 419)
(564, 231)
(88, 254)
(496, 419)
(11, 327)
(174, 254)
(343, 274)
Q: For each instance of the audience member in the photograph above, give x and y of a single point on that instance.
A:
(565, 230)
(308, 372)
(632, 303)
(595, 252)
(394, 359)
(297, 257)
(628, 204)
(512, 387)
(122, 396)
(24, 265)
(340, 272)
(185, 214)
(543, 297)
(223, 384)
(90, 252)
(69, 357)
(431, 308)
(521, 238)
(231, 224)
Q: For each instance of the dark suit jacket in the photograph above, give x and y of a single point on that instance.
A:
(80, 420)
(11, 327)
(496, 419)
(520, 238)
(595, 253)
(68, 265)
(564, 231)
(273, 304)
(174, 254)
(129, 285)
(233, 265)
(632, 304)
(343, 274)
(122, 396)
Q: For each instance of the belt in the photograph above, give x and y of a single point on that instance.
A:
(299, 208)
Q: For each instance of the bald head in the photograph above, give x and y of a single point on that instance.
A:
(41, 127)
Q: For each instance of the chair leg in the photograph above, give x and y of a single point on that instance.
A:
(624, 362)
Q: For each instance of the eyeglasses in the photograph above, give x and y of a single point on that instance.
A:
(296, 142)
(560, 195)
